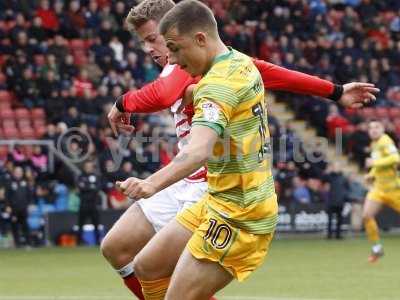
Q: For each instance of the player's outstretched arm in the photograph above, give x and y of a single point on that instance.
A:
(189, 159)
(155, 96)
(277, 78)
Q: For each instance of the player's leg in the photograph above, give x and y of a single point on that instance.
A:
(195, 279)
(339, 221)
(330, 217)
(95, 219)
(216, 253)
(124, 240)
(155, 264)
(81, 221)
(370, 210)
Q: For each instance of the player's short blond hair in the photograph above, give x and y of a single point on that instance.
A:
(188, 16)
(148, 10)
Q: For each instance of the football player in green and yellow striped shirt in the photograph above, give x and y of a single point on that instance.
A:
(227, 234)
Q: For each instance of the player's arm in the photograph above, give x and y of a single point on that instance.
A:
(212, 113)
(391, 157)
(155, 96)
(189, 159)
(353, 94)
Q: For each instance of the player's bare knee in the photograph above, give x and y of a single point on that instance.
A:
(144, 268)
(367, 215)
(107, 248)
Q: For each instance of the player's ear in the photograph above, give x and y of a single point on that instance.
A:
(200, 38)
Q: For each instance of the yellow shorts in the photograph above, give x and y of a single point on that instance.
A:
(236, 250)
(389, 198)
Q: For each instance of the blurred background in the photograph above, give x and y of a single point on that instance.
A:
(63, 63)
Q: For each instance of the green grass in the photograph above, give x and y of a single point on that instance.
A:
(295, 269)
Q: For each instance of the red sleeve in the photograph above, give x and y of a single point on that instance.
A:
(279, 78)
(159, 94)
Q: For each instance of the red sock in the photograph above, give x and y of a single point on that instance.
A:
(133, 284)
(213, 298)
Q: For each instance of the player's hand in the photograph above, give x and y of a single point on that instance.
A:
(136, 188)
(357, 94)
(119, 121)
(187, 97)
(369, 162)
(369, 178)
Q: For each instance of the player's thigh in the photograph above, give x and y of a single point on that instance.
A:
(127, 237)
(393, 200)
(371, 208)
(159, 257)
(195, 279)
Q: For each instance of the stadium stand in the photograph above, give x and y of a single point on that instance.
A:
(63, 63)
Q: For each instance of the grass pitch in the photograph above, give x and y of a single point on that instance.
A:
(306, 269)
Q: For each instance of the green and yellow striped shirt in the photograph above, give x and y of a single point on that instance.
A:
(230, 100)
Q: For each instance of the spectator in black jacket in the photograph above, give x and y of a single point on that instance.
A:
(338, 188)
(18, 196)
(89, 184)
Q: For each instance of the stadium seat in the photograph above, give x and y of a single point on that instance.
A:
(77, 44)
(40, 131)
(381, 112)
(8, 123)
(3, 152)
(39, 123)
(38, 113)
(11, 133)
(24, 123)
(5, 106)
(7, 114)
(394, 112)
(6, 96)
(22, 113)
(396, 122)
(3, 78)
(3, 58)
(27, 133)
(367, 113)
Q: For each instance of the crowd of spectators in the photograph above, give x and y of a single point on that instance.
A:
(73, 58)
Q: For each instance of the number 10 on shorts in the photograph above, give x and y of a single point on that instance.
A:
(219, 235)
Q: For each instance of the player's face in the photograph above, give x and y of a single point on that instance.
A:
(153, 42)
(375, 130)
(188, 51)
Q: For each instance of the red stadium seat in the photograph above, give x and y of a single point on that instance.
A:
(8, 123)
(77, 44)
(38, 113)
(368, 113)
(40, 131)
(6, 96)
(396, 122)
(394, 112)
(24, 123)
(5, 106)
(3, 151)
(27, 133)
(22, 113)
(39, 123)
(7, 114)
(382, 112)
(3, 78)
(11, 133)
